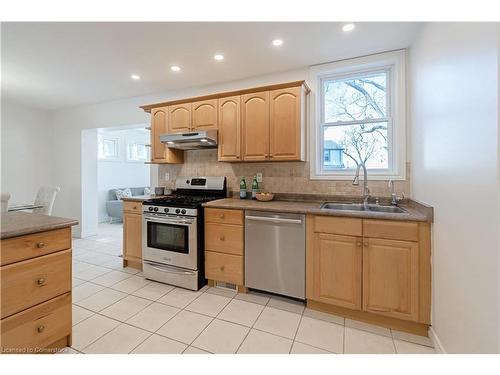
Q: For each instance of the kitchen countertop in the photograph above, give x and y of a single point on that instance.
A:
(18, 223)
(142, 198)
(415, 211)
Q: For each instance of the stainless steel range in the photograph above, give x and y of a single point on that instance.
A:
(172, 232)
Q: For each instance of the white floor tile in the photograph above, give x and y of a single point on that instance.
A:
(241, 312)
(254, 297)
(299, 348)
(225, 292)
(121, 340)
(130, 270)
(363, 342)
(179, 297)
(68, 350)
(321, 334)
(79, 267)
(221, 337)
(116, 264)
(131, 284)
(405, 347)
(75, 282)
(404, 336)
(153, 316)
(286, 304)
(91, 329)
(278, 322)
(111, 278)
(125, 308)
(101, 300)
(185, 326)
(156, 344)
(208, 304)
(258, 342)
(85, 290)
(91, 273)
(153, 291)
(315, 314)
(193, 350)
(368, 327)
(79, 314)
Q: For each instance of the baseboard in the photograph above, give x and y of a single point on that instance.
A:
(435, 340)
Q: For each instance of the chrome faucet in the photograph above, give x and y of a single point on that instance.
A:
(394, 198)
(355, 182)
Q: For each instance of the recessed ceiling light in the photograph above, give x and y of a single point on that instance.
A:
(348, 27)
(277, 42)
(218, 57)
(175, 68)
(135, 76)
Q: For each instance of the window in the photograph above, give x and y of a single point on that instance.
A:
(138, 152)
(107, 148)
(360, 117)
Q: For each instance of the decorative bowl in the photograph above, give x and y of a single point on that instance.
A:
(264, 197)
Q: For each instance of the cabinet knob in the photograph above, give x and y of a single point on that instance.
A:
(222, 268)
(40, 281)
(358, 244)
(222, 238)
(222, 216)
(40, 329)
(41, 245)
(366, 244)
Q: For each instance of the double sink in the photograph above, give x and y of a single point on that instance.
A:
(361, 207)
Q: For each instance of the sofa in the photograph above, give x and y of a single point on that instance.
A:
(114, 207)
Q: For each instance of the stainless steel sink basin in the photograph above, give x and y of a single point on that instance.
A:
(360, 207)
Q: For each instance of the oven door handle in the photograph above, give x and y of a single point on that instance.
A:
(169, 269)
(175, 222)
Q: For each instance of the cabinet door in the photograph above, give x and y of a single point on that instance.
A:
(337, 270)
(132, 237)
(159, 121)
(204, 115)
(390, 278)
(285, 124)
(179, 118)
(229, 129)
(255, 125)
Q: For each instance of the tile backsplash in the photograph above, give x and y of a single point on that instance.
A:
(278, 177)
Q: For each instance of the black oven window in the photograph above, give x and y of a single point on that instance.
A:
(169, 237)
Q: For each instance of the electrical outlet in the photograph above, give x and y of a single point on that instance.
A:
(259, 177)
(167, 176)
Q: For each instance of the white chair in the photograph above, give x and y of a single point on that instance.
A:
(4, 197)
(45, 197)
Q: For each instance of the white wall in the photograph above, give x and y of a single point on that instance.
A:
(26, 151)
(120, 173)
(88, 198)
(454, 78)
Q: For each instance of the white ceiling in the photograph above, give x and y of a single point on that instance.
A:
(56, 65)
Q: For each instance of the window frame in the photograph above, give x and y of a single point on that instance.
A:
(116, 141)
(133, 142)
(392, 62)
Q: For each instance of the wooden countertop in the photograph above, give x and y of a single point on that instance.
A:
(14, 224)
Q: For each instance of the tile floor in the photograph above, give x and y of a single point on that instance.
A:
(116, 310)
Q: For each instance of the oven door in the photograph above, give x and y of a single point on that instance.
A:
(171, 240)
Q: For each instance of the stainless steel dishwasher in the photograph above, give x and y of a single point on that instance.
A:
(275, 252)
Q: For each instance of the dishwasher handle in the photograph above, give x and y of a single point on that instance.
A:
(274, 219)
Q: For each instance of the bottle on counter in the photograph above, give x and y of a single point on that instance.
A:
(243, 188)
(255, 187)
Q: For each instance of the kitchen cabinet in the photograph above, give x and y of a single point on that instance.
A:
(132, 234)
(229, 129)
(179, 118)
(255, 126)
(204, 113)
(160, 153)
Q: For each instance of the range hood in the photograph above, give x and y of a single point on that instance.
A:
(198, 140)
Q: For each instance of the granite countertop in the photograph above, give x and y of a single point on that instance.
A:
(18, 223)
(415, 211)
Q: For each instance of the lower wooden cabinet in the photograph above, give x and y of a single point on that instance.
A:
(132, 240)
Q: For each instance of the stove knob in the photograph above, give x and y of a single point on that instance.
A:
(166, 210)
(150, 208)
(183, 211)
(177, 211)
(156, 209)
(188, 182)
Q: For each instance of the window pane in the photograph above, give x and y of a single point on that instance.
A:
(356, 98)
(366, 142)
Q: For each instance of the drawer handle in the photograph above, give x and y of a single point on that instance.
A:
(40, 281)
(41, 245)
(40, 329)
(222, 216)
(222, 238)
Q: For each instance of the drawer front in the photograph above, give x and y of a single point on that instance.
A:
(224, 238)
(134, 207)
(38, 326)
(338, 225)
(218, 215)
(391, 230)
(33, 281)
(224, 267)
(34, 245)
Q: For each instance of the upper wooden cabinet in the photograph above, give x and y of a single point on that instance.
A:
(160, 153)
(229, 129)
(179, 118)
(204, 115)
(255, 126)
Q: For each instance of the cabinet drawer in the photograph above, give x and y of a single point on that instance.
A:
(338, 225)
(133, 207)
(224, 267)
(218, 215)
(392, 230)
(34, 245)
(224, 238)
(33, 281)
(38, 326)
